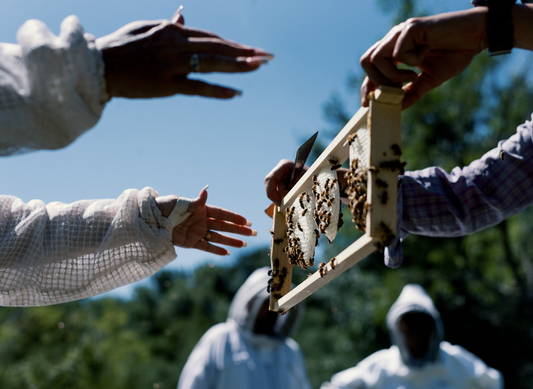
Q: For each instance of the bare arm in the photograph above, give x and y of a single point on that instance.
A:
(440, 46)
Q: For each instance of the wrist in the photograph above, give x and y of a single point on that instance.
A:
(479, 17)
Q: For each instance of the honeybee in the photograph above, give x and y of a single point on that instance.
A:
(301, 199)
(332, 262)
(351, 138)
(381, 184)
(304, 211)
(322, 269)
(300, 227)
(278, 241)
(396, 149)
(334, 163)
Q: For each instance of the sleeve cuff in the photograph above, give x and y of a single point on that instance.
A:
(393, 255)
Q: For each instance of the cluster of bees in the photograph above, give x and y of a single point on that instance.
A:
(280, 275)
(321, 214)
(294, 248)
(386, 236)
(356, 191)
(323, 269)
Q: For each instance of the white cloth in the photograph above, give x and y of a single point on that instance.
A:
(52, 89)
(230, 356)
(59, 252)
(457, 369)
(444, 366)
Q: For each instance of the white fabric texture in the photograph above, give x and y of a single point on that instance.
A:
(60, 252)
(453, 366)
(230, 356)
(179, 213)
(52, 89)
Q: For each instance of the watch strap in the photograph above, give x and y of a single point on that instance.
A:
(500, 26)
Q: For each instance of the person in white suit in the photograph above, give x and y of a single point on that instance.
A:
(418, 357)
(252, 349)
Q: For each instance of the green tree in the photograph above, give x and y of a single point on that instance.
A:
(482, 283)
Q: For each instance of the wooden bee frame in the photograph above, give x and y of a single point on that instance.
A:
(383, 120)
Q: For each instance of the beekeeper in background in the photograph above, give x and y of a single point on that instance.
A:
(252, 349)
(418, 357)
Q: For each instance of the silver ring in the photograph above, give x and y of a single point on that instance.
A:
(194, 63)
(208, 236)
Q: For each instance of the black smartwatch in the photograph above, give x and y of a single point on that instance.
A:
(499, 25)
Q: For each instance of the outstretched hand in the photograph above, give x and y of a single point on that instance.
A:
(153, 59)
(204, 219)
(440, 46)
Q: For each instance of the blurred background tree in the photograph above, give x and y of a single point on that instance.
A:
(482, 284)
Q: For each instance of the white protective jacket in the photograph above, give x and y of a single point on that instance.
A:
(445, 366)
(52, 89)
(231, 356)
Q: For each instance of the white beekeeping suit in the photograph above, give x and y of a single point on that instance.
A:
(231, 356)
(52, 89)
(443, 366)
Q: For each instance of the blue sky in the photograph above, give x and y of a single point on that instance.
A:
(177, 145)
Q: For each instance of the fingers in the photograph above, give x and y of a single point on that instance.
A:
(204, 41)
(415, 91)
(381, 60)
(226, 240)
(366, 87)
(180, 63)
(222, 214)
(275, 181)
(208, 247)
(221, 225)
(189, 87)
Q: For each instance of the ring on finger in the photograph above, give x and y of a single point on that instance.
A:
(194, 63)
(208, 236)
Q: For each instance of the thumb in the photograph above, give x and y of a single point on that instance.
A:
(199, 202)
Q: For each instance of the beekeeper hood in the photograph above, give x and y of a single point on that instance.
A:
(415, 299)
(247, 303)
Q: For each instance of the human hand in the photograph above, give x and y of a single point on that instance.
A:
(276, 182)
(153, 59)
(440, 46)
(204, 219)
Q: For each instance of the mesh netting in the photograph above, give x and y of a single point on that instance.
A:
(59, 252)
(52, 88)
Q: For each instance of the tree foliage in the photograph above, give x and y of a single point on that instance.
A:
(482, 284)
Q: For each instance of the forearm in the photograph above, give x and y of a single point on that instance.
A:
(61, 252)
(470, 199)
(522, 21)
(52, 88)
